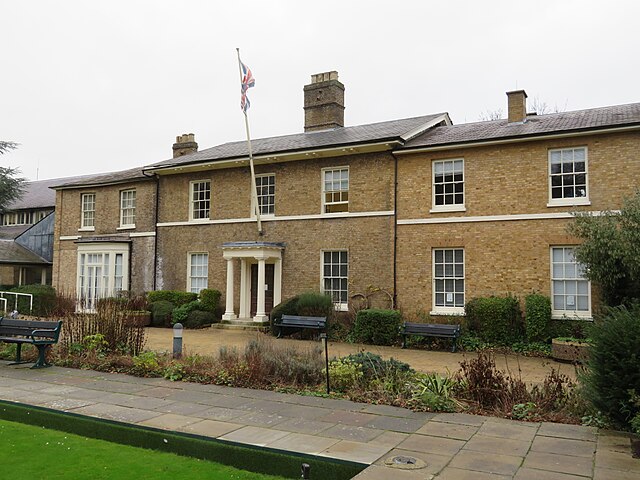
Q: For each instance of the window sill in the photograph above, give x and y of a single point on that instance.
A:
(334, 214)
(126, 227)
(452, 312)
(569, 203)
(199, 220)
(569, 315)
(453, 208)
(87, 229)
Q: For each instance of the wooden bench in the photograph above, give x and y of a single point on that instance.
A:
(430, 330)
(40, 334)
(297, 322)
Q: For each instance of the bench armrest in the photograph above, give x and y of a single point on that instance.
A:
(37, 333)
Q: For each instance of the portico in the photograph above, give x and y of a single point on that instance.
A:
(260, 266)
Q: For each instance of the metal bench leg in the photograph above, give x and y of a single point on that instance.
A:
(42, 361)
(455, 341)
(19, 360)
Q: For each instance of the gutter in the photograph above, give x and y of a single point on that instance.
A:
(155, 228)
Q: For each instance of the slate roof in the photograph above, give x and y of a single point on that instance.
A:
(37, 194)
(535, 125)
(122, 176)
(9, 232)
(13, 253)
(343, 136)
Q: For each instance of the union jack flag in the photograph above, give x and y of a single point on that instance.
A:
(247, 82)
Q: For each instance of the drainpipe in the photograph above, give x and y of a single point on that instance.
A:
(395, 229)
(155, 229)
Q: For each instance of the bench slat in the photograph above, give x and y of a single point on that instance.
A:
(431, 330)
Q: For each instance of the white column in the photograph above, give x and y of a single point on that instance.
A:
(43, 276)
(245, 289)
(229, 313)
(260, 314)
(277, 282)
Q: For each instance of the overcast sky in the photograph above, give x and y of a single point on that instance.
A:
(96, 86)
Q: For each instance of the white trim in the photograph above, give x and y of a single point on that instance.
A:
(69, 237)
(497, 218)
(122, 209)
(142, 234)
(527, 138)
(452, 312)
(453, 207)
(189, 265)
(443, 310)
(191, 200)
(568, 314)
(569, 201)
(339, 307)
(87, 229)
(127, 227)
(318, 216)
(448, 208)
(323, 171)
(426, 126)
(253, 200)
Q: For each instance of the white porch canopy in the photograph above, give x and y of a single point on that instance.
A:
(249, 253)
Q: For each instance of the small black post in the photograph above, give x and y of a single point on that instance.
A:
(177, 340)
(305, 470)
(323, 337)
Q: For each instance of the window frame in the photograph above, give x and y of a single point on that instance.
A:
(109, 277)
(84, 212)
(123, 208)
(253, 206)
(192, 201)
(190, 277)
(326, 204)
(454, 207)
(568, 201)
(442, 309)
(340, 305)
(570, 314)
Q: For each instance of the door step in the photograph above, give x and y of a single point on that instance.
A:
(241, 324)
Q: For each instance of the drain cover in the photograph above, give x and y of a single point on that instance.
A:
(404, 462)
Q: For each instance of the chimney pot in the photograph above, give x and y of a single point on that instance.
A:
(185, 144)
(517, 106)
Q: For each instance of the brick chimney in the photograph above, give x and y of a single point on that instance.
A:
(185, 144)
(323, 102)
(517, 106)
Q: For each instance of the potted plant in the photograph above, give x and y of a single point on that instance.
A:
(570, 349)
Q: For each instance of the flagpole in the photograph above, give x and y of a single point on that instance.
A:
(254, 188)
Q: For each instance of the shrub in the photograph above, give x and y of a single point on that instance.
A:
(537, 317)
(161, 313)
(180, 313)
(495, 319)
(177, 297)
(313, 304)
(209, 300)
(614, 367)
(434, 392)
(199, 318)
(377, 327)
(44, 300)
(372, 364)
(344, 374)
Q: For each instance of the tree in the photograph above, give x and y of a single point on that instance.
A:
(610, 251)
(11, 186)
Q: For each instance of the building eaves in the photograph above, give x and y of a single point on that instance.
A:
(618, 116)
(111, 178)
(308, 141)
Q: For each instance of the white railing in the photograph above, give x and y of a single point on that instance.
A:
(5, 301)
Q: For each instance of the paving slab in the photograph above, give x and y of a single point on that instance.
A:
(378, 472)
(433, 463)
(559, 463)
(491, 445)
(261, 419)
(531, 474)
(390, 439)
(169, 421)
(355, 451)
(460, 418)
(448, 430)
(608, 474)
(481, 462)
(614, 460)
(115, 412)
(303, 443)
(302, 425)
(452, 473)
(351, 432)
(507, 431)
(395, 424)
(560, 430)
(211, 428)
(576, 448)
(438, 445)
(254, 435)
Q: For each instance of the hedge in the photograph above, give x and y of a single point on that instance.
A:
(537, 317)
(177, 297)
(377, 326)
(495, 319)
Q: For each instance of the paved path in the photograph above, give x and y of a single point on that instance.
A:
(452, 446)
(208, 341)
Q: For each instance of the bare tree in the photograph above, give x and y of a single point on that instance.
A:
(491, 115)
(541, 107)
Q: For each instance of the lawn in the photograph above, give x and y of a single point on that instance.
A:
(30, 452)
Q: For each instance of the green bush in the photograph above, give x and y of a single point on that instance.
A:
(613, 375)
(44, 300)
(288, 307)
(313, 304)
(377, 327)
(161, 313)
(537, 317)
(180, 313)
(177, 297)
(372, 364)
(209, 300)
(495, 319)
(198, 318)
(344, 374)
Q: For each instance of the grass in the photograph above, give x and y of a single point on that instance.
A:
(35, 452)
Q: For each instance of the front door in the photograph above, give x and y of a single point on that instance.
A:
(268, 293)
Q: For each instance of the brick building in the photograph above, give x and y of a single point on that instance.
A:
(433, 213)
